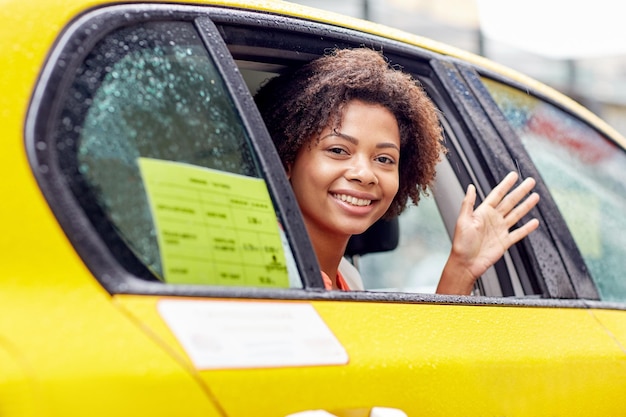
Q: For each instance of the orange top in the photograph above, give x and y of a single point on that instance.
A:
(341, 283)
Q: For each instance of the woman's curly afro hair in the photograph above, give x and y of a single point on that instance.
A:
(298, 105)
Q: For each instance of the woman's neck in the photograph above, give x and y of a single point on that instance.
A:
(329, 250)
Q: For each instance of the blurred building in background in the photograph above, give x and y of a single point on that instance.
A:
(576, 47)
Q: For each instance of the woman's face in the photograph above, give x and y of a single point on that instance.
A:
(346, 181)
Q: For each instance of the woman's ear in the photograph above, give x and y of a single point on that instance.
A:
(288, 171)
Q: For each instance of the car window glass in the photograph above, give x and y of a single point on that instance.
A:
(158, 156)
(585, 174)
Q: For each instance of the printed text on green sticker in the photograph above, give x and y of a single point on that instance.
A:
(214, 227)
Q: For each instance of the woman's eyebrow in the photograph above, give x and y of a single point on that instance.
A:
(335, 132)
(387, 145)
(355, 141)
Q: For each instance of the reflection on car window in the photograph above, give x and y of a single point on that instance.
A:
(416, 264)
(585, 174)
(155, 141)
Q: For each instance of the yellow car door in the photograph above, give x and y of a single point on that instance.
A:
(434, 356)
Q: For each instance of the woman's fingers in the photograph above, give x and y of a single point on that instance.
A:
(467, 206)
(521, 209)
(523, 231)
(499, 192)
(513, 198)
(511, 203)
(504, 200)
(514, 203)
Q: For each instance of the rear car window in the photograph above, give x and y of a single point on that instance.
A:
(156, 153)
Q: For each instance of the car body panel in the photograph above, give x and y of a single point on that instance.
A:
(613, 323)
(67, 366)
(425, 366)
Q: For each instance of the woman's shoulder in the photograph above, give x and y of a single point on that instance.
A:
(351, 275)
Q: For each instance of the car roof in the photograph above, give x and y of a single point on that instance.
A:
(45, 19)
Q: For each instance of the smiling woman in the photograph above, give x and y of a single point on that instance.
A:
(358, 139)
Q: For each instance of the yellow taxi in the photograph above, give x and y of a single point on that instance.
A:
(153, 261)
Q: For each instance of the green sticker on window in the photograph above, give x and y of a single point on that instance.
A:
(214, 227)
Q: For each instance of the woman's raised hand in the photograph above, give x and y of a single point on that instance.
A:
(484, 234)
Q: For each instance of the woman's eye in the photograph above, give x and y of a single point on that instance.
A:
(338, 151)
(385, 160)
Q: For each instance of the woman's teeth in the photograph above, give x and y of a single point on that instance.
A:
(352, 200)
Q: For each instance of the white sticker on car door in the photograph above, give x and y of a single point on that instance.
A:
(250, 334)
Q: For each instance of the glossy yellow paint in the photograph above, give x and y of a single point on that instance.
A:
(73, 353)
(614, 323)
(498, 361)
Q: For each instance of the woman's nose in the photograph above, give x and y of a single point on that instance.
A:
(362, 171)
